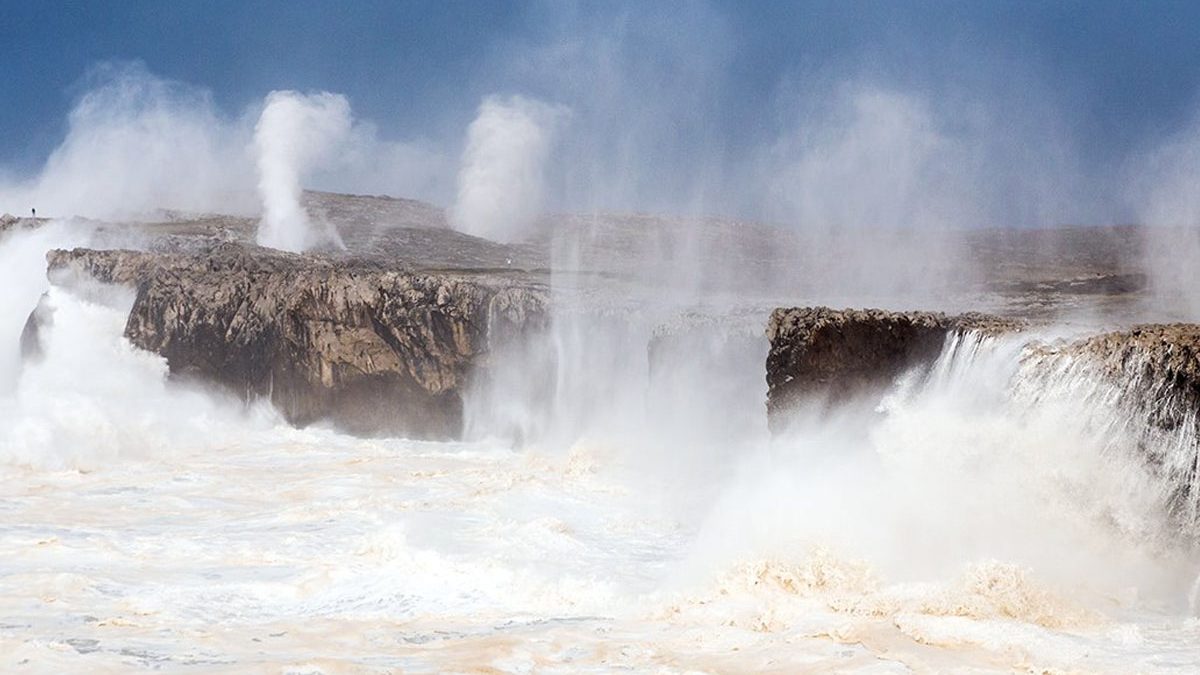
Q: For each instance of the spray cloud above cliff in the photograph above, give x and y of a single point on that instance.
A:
(1164, 189)
(834, 140)
(501, 180)
(295, 133)
(134, 143)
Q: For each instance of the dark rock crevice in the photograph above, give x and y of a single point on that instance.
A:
(835, 354)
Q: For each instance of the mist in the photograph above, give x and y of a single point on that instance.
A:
(879, 162)
(136, 143)
(501, 182)
(88, 397)
(295, 133)
(1163, 187)
(23, 270)
(642, 186)
(864, 179)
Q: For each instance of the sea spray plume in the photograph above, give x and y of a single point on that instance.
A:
(92, 397)
(626, 150)
(877, 179)
(136, 142)
(864, 180)
(294, 134)
(671, 395)
(1164, 193)
(886, 150)
(501, 182)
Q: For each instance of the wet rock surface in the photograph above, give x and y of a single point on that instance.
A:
(1158, 364)
(1137, 390)
(1154, 368)
(403, 303)
(1163, 353)
(823, 352)
(374, 348)
(1145, 380)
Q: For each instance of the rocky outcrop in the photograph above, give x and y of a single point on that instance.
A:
(377, 350)
(1160, 359)
(822, 352)
(1141, 390)
(10, 222)
(1154, 368)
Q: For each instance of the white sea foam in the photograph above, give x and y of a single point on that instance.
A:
(958, 522)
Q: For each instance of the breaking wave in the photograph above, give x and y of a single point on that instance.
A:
(1016, 503)
(81, 396)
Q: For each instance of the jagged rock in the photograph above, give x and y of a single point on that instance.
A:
(818, 351)
(375, 349)
(1144, 384)
(10, 222)
(1156, 364)
(1164, 354)
(31, 341)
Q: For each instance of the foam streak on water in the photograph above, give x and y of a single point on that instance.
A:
(973, 519)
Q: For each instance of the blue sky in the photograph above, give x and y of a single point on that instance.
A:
(722, 80)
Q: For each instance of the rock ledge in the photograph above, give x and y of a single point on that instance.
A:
(818, 351)
(374, 349)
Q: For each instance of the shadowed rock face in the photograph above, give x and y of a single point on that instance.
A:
(374, 349)
(1138, 390)
(31, 340)
(1149, 376)
(818, 351)
(1158, 355)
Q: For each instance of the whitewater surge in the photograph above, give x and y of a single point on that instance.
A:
(988, 513)
(88, 397)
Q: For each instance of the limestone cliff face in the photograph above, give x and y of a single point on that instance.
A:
(1144, 384)
(825, 352)
(1160, 360)
(374, 349)
(1136, 391)
(1154, 368)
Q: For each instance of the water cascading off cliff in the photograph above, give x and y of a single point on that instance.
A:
(1015, 446)
(995, 489)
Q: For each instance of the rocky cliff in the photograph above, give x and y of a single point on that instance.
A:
(818, 351)
(375, 349)
(1135, 391)
(1160, 360)
(406, 306)
(1142, 386)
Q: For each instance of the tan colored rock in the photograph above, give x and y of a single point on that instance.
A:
(374, 349)
(1145, 383)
